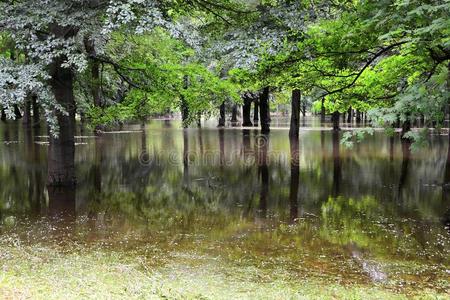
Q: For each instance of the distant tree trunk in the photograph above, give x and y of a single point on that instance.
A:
(335, 118)
(61, 153)
(27, 112)
(303, 109)
(295, 114)
(35, 109)
(256, 112)
(199, 120)
(246, 111)
(222, 115)
(264, 110)
(234, 113)
(349, 115)
(358, 116)
(322, 111)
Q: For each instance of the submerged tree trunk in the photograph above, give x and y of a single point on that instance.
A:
(246, 111)
(61, 153)
(295, 114)
(335, 118)
(222, 115)
(264, 110)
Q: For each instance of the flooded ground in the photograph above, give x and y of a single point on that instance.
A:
(207, 213)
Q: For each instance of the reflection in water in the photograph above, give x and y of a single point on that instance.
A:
(337, 171)
(406, 156)
(295, 177)
(208, 207)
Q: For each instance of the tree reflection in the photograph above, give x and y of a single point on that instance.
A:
(262, 142)
(295, 177)
(337, 168)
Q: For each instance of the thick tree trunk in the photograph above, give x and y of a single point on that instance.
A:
(246, 111)
(295, 178)
(264, 110)
(35, 109)
(61, 153)
(222, 115)
(295, 114)
(322, 111)
(335, 118)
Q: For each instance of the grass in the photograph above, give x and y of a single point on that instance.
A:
(40, 272)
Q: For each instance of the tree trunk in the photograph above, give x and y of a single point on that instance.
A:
(322, 111)
(246, 111)
(35, 109)
(264, 110)
(184, 104)
(256, 112)
(358, 116)
(406, 127)
(3, 115)
(17, 113)
(27, 112)
(61, 153)
(349, 115)
(295, 114)
(222, 115)
(335, 118)
(304, 109)
(234, 113)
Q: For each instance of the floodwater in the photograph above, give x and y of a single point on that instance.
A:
(185, 200)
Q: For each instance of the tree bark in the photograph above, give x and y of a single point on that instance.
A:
(246, 111)
(322, 111)
(349, 115)
(27, 112)
(264, 110)
(256, 111)
(61, 153)
(3, 115)
(295, 114)
(234, 113)
(358, 116)
(222, 115)
(17, 113)
(335, 118)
